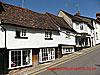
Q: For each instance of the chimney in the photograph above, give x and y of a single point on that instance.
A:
(78, 13)
(98, 16)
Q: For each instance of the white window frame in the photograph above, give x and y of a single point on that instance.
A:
(21, 59)
(67, 49)
(41, 53)
(22, 32)
(48, 34)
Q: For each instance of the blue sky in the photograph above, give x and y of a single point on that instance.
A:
(87, 8)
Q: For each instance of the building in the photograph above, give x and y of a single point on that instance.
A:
(66, 40)
(23, 35)
(94, 24)
(29, 38)
(83, 29)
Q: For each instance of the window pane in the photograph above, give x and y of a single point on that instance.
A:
(26, 57)
(15, 58)
(17, 33)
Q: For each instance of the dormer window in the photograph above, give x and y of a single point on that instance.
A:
(48, 35)
(21, 34)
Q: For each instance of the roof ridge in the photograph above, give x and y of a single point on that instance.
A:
(86, 17)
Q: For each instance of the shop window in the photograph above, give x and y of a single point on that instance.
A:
(46, 54)
(67, 50)
(15, 58)
(26, 57)
(20, 58)
(21, 34)
(48, 36)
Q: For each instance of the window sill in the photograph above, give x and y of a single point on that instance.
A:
(21, 37)
(48, 38)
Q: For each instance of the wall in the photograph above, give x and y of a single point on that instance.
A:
(97, 29)
(2, 38)
(36, 39)
(65, 17)
(86, 29)
(64, 40)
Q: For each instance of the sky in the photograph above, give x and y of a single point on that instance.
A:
(87, 8)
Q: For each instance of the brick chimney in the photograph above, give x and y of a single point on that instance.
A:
(98, 16)
(78, 13)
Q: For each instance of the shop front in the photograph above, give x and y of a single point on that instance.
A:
(82, 41)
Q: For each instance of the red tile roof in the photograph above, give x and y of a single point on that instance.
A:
(16, 15)
(59, 21)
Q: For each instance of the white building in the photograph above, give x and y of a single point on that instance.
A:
(83, 29)
(29, 38)
(66, 40)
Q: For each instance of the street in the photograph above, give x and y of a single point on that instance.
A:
(91, 59)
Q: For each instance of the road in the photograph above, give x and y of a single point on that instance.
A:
(91, 60)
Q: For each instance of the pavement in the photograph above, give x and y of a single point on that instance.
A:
(31, 70)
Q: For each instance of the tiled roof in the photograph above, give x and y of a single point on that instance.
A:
(88, 20)
(16, 15)
(59, 21)
(72, 16)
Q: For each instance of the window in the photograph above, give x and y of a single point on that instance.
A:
(48, 36)
(96, 35)
(26, 57)
(15, 58)
(67, 49)
(21, 34)
(20, 58)
(18, 33)
(95, 25)
(46, 54)
(85, 27)
(81, 26)
(67, 34)
(77, 25)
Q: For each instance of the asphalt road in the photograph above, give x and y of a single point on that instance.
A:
(91, 60)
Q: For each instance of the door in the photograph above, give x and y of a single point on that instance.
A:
(35, 60)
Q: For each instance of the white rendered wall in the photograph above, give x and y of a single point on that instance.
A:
(36, 39)
(2, 38)
(97, 29)
(86, 29)
(67, 41)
